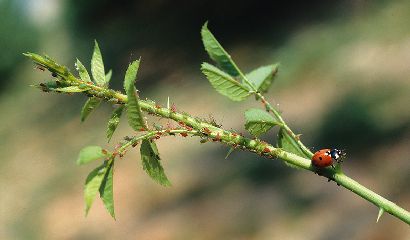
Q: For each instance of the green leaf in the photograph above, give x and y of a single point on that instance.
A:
(106, 190)
(217, 52)
(82, 71)
(258, 121)
(91, 153)
(97, 67)
(89, 105)
(135, 119)
(92, 185)
(287, 143)
(71, 89)
(263, 77)
(224, 84)
(114, 121)
(108, 76)
(151, 162)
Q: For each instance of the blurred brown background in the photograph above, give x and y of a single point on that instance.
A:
(343, 82)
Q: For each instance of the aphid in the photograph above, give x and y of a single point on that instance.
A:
(217, 138)
(44, 87)
(157, 127)
(263, 102)
(266, 150)
(157, 106)
(184, 134)
(206, 130)
(127, 138)
(104, 151)
(142, 129)
(41, 68)
(326, 157)
(265, 105)
(134, 144)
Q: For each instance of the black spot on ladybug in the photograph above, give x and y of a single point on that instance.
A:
(320, 158)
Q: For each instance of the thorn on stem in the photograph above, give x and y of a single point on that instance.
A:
(381, 211)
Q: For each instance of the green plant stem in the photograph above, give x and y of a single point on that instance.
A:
(136, 139)
(350, 184)
(230, 138)
(284, 125)
(376, 199)
(269, 107)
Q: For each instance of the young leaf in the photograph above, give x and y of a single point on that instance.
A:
(97, 66)
(89, 105)
(91, 153)
(263, 77)
(288, 144)
(82, 71)
(114, 121)
(106, 190)
(258, 121)
(134, 114)
(108, 76)
(151, 162)
(71, 89)
(92, 185)
(217, 52)
(224, 84)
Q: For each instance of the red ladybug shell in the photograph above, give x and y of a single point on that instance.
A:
(322, 158)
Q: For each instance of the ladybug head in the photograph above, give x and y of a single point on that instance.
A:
(337, 154)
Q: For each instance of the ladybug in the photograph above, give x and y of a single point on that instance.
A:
(325, 157)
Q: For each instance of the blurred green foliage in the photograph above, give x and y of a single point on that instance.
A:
(355, 123)
(17, 35)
